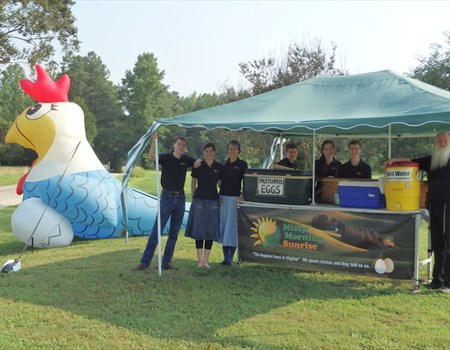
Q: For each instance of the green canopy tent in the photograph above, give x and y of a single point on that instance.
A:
(375, 104)
(379, 104)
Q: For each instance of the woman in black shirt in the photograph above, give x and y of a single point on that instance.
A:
(327, 165)
(203, 221)
(230, 194)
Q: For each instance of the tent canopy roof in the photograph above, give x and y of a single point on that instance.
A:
(364, 104)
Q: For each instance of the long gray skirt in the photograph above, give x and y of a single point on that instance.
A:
(228, 221)
(203, 220)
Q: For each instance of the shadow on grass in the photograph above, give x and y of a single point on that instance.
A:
(188, 304)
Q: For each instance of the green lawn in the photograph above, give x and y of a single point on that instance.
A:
(10, 175)
(86, 296)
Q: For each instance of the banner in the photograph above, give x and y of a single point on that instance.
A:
(380, 244)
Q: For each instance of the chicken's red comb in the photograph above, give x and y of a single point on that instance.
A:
(45, 89)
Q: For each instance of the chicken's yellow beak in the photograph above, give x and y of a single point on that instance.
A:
(36, 134)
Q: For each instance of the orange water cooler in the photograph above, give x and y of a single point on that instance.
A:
(402, 186)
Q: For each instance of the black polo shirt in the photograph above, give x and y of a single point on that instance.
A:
(173, 173)
(324, 170)
(287, 163)
(207, 177)
(361, 171)
(232, 175)
(438, 180)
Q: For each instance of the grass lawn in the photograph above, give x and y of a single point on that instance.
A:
(85, 296)
(10, 175)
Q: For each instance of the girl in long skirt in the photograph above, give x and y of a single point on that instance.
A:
(203, 221)
(230, 194)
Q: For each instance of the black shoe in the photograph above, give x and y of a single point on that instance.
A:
(140, 267)
(169, 266)
(434, 285)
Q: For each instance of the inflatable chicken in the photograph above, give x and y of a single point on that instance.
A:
(67, 191)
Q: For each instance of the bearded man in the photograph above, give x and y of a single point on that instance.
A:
(438, 168)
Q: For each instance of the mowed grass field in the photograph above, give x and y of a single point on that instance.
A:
(10, 175)
(86, 296)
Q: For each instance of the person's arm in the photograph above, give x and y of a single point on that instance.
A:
(369, 171)
(281, 167)
(193, 185)
(197, 163)
(151, 153)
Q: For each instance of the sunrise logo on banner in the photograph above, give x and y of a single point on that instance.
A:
(266, 231)
(268, 234)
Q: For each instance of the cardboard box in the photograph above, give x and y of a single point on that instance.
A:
(361, 194)
(278, 186)
(327, 187)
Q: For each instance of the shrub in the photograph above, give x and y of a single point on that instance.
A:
(137, 172)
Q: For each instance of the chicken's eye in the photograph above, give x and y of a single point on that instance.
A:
(38, 110)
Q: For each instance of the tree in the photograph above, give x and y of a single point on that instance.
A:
(435, 69)
(298, 63)
(89, 82)
(12, 102)
(31, 29)
(144, 98)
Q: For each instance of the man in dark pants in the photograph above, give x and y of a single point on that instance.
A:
(438, 168)
(172, 202)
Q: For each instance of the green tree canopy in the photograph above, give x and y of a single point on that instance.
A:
(31, 30)
(12, 102)
(435, 69)
(298, 63)
(103, 114)
(13, 99)
(144, 98)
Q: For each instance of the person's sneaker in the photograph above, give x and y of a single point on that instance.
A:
(140, 267)
(446, 290)
(169, 266)
(434, 285)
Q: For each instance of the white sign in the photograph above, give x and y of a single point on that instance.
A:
(271, 186)
(399, 175)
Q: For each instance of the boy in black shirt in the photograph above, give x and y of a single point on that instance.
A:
(355, 168)
(288, 162)
(172, 202)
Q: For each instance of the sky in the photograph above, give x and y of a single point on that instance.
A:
(199, 44)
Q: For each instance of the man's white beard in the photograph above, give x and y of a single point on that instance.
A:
(440, 157)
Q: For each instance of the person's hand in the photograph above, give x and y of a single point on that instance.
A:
(155, 135)
(197, 163)
(388, 162)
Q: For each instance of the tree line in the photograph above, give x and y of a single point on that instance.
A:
(116, 116)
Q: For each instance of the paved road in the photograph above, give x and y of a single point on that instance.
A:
(8, 196)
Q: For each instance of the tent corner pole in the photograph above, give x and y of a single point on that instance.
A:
(158, 194)
(313, 200)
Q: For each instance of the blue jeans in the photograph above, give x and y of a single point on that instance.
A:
(173, 207)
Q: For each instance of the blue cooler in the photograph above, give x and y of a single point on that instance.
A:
(361, 194)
